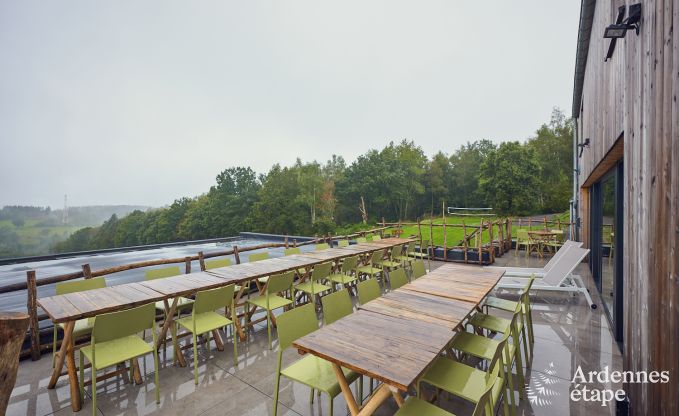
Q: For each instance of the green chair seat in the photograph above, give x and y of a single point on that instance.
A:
(205, 322)
(314, 289)
(342, 279)
(492, 323)
(82, 327)
(414, 406)
(460, 380)
(275, 301)
(117, 350)
(403, 259)
(482, 347)
(318, 374)
(369, 270)
(499, 303)
(390, 264)
(182, 304)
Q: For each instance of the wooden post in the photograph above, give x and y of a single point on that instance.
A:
(465, 242)
(13, 326)
(201, 261)
(294, 242)
(479, 242)
(32, 306)
(558, 223)
(286, 241)
(419, 230)
(530, 223)
(236, 255)
(187, 262)
(545, 218)
(87, 271)
(445, 233)
(491, 238)
(431, 236)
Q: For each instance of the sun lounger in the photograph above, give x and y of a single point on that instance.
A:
(540, 271)
(559, 277)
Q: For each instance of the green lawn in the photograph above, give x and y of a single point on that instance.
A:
(33, 238)
(455, 233)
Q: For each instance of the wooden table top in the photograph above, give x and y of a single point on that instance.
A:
(395, 337)
(395, 351)
(422, 307)
(467, 283)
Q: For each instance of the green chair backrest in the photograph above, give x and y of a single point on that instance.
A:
(397, 278)
(215, 264)
(343, 243)
(336, 305)
(418, 269)
(521, 235)
(295, 324)
(376, 238)
(322, 246)
(411, 247)
(63, 288)
(292, 250)
(349, 264)
(368, 290)
(360, 240)
(321, 271)
(213, 299)
(396, 251)
(280, 282)
(424, 246)
(486, 399)
(258, 256)
(377, 256)
(162, 273)
(115, 325)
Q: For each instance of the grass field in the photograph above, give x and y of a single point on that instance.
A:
(33, 238)
(455, 233)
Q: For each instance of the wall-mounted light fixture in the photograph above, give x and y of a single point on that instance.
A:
(582, 146)
(619, 29)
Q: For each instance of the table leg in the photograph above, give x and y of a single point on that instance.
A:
(346, 390)
(169, 320)
(239, 328)
(397, 396)
(66, 354)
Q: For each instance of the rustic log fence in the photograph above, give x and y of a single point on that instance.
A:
(32, 283)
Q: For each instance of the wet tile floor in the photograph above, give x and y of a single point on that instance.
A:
(568, 334)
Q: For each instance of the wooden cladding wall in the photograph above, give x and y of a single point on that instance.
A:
(635, 93)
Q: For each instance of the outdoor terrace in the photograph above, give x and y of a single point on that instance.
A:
(567, 334)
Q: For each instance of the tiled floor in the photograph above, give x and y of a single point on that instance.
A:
(568, 334)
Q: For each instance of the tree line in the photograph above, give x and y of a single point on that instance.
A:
(398, 182)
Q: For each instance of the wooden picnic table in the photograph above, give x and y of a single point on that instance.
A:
(396, 337)
(541, 237)
(69, 308)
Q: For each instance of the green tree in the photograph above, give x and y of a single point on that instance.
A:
(509, 179)
(465, 170)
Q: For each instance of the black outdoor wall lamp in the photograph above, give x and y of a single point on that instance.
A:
(582, 146)
(619, 29)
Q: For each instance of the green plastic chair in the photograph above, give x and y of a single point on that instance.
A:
(360, 240)
(523, 239)
(183, 304)
(314, 286)
(373, 268)
(270, 299)
(423, 251)
(336, 305)
(368, 290)
(418, 269)
(311, 370)
(291, 250)
(404, 258)
(414, 406)
(215, 264)
(322, 246)
(115, 340)
(468, 382)
(259, 257)
(82, 326)
(392, 263)
(347, 275)
(343, 243)
(484, 348)
(510, 305)
(397, 278)
(204, 319)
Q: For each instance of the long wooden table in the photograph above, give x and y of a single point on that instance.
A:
(74, 306)
(396, 337)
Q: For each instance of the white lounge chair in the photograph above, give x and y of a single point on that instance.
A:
(559, 277)
(539, 271)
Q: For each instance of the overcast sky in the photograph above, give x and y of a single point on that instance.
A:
(142, 102)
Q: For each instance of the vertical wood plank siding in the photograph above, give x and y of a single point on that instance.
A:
(635, 94)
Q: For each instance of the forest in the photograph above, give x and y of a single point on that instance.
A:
(397, 182)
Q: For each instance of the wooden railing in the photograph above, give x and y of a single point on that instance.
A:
(32, 282)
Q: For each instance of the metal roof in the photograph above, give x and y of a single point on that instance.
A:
(584, 33)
